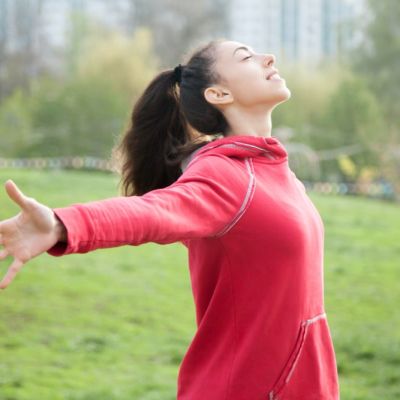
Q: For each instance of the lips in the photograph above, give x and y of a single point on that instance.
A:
(273, 76)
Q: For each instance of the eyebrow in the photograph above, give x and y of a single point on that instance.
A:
(240, 48)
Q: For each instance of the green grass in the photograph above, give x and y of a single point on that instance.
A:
(115, 323)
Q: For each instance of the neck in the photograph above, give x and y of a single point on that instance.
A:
(249, 122)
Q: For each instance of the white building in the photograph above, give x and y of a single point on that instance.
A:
(44, 26)
(256, 23)
(305, 31)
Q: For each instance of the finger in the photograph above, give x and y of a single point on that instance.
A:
(1, 239)
(3, 254)
(15, 194)
(15, 267)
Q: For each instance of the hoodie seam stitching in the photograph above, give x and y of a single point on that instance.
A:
(246, 201)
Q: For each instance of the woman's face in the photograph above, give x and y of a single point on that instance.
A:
(248, 78)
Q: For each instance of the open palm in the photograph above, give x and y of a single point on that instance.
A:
(30, 233)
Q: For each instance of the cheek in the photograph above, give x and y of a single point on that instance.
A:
(249, 87)
(247, 81)
(252, 75)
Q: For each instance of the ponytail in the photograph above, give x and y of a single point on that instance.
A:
(160, 134)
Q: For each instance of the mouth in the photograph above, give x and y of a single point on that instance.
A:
(274, 76)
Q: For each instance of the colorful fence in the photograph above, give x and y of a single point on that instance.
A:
(57, 163)
(383, 190)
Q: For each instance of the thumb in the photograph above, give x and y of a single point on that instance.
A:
(15, 194)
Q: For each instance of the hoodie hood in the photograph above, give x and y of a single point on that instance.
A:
(242, 146)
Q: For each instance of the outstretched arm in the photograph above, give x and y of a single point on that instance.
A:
(30, 233)
(201, 203)
(204, 202)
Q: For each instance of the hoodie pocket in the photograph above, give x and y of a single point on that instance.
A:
(310, 371)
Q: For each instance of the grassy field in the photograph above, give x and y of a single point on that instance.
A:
(114, 324)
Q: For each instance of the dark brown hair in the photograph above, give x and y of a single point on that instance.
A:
(162, 123)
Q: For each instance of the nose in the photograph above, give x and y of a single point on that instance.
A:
(269, 60)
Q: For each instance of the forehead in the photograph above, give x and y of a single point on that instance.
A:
(227, 48)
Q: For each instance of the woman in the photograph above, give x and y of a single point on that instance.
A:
(254, 237)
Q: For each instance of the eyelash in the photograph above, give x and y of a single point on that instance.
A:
(246, 58)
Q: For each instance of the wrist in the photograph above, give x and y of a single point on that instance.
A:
(60, 230)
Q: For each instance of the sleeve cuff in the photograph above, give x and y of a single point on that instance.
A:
(78, 235)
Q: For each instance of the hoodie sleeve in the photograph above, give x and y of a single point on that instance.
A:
(201, 203)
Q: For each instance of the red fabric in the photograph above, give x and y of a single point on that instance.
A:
(255, 243)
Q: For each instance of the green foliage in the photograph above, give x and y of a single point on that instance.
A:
(81, 117)
(377, 57)
(85, 112)
(330, 108)
(114, 324)
(377, 60)
(310, 92)
(126, 62)
(15, 124)
(352, 116)
(80, 28)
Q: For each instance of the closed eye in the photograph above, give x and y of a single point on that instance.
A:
(246, 58)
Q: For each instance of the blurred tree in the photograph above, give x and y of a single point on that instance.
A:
(180, 25)
(15, 124)
(310, 94)
(355, 114)
(331, 109)
(79, 28)
(85, 113)
(377, 57)
(128, 63)
(352, 116)
(20, 60)
(81, 117)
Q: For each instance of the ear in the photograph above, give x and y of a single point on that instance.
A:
(218, 96)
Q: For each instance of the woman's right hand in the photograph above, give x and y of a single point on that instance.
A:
(30, 233)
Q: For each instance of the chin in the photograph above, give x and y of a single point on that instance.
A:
(282, 96)
(288, 94)
(285, 94)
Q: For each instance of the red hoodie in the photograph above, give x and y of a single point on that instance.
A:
(255, 243)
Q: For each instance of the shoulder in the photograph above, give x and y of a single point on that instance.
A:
(218, 166)
(230, 179)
